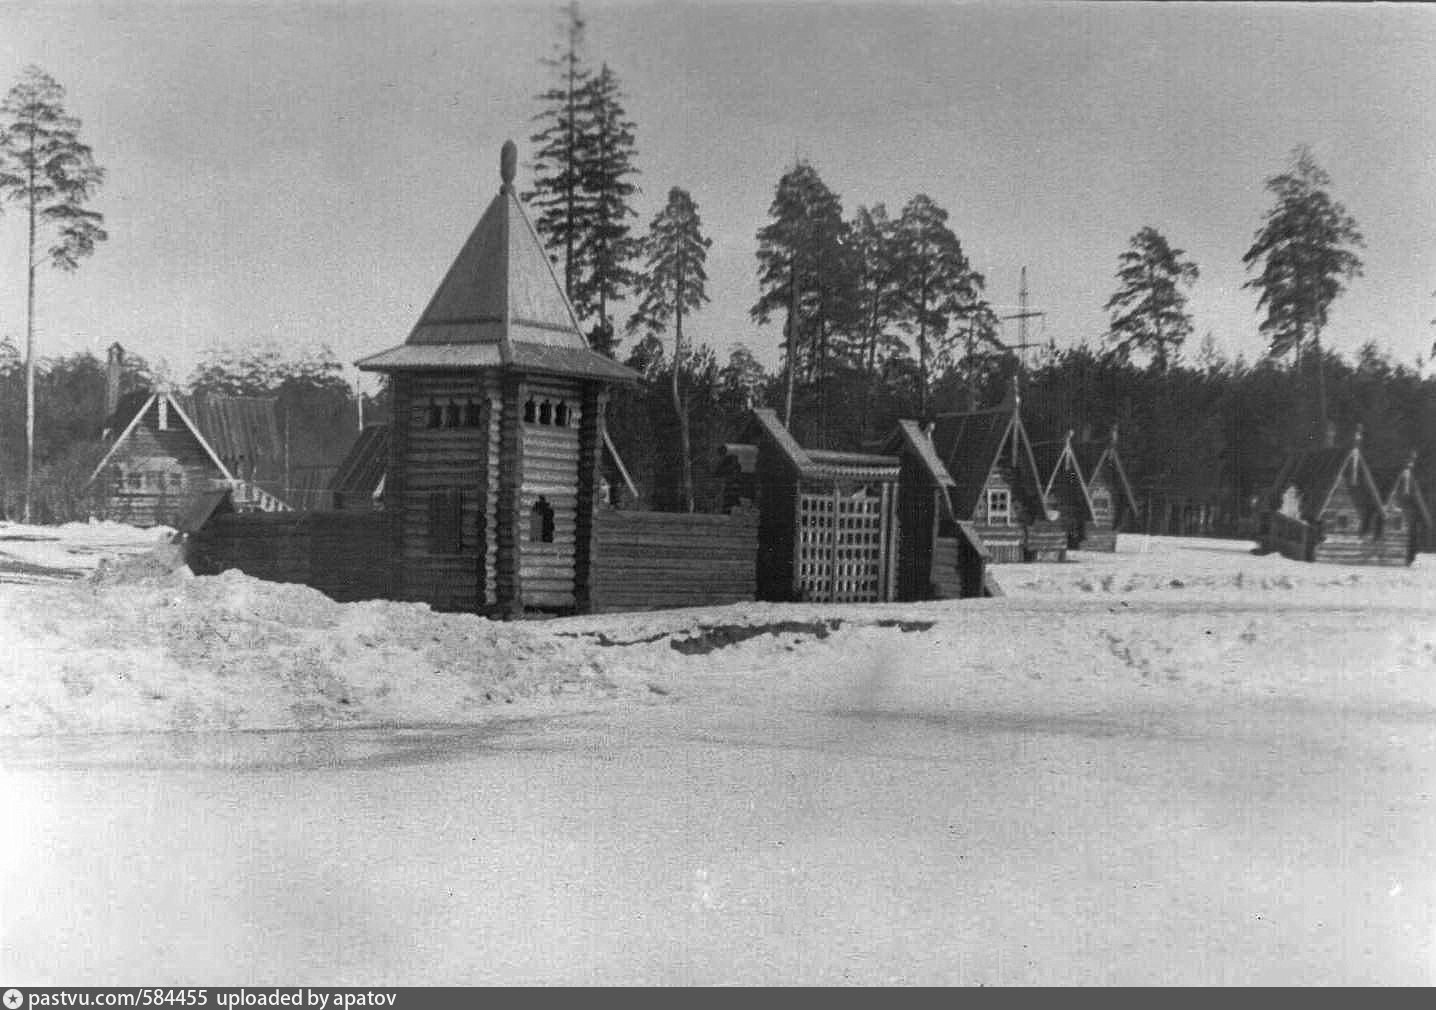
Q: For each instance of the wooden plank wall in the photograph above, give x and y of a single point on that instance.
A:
(657, 560)
(550, 471)
(1096, 538)
(1006, 543)
(1345, 549)
(778, 529)
(343, 554)
(946, 576)
(1046, 541)
(916, 533)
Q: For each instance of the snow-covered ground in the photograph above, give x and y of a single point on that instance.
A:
(1178, 763)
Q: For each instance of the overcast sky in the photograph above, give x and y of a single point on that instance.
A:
(306, 172)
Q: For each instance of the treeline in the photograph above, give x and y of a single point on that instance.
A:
(1213, 432)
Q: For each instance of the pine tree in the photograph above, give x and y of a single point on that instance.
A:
(876, 262)
(1305, 251)
(1149, 310)
(804, 268)
(673, 284)
(605, 245)
(557, 194)
(936, 285)
(47, 169)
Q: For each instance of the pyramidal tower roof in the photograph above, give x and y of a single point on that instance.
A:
(500, 304)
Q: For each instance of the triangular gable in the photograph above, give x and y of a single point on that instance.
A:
(765, 424)
(912, 438)
(1110, 457)
(169, 404)
(1066, 460)
(1406, 489)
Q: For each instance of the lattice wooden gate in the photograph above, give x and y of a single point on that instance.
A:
(845, 545)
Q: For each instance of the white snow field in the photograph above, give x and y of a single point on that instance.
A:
(1178, 764)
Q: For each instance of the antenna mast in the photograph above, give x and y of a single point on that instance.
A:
(1023, 314)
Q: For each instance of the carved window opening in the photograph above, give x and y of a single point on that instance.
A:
(560, 415)
(541, 522)
(433, 415)
(546, 413)
(451, 415)
(999, 506)
(473, 415)
(530, 412)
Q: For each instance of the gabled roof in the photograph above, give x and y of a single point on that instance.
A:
(137, 406)
(1058, 461)
(1315, 473)
(1406, 491)
(500, 305)
(1092, 457)
(820, 464)
(972, 444)
(237, 427)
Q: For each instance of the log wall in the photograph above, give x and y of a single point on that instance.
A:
(547, 569)
(657, 560)
(442, 476)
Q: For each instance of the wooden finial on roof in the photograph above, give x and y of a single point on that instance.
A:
(1356, 436)
(508, 165)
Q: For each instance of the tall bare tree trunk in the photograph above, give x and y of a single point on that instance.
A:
(30, 355)
(1320, 384)
(679, 407)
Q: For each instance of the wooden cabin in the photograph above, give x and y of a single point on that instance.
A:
(843, 527)
(1064, 489)
(1325, 507)
(498, 403)
(997, 486)
(1109, 493)
(165, 450)
(1408, 510)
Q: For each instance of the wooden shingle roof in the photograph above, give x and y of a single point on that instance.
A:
(500, 305)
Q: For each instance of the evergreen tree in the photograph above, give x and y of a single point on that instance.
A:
(936, 285)
(47, 169)
(1305, 252)
(605, 246)
(673, 284)
(741, 380)
(804, 269)
(560, 152)
(1149, 310)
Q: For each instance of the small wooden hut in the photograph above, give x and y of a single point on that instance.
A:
(1408, 510)
(1325, 506)
(498, 402)
(997, 486)
(165, 450)
(844, 527)
(1109, 492)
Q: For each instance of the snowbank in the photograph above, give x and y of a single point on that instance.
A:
(1162, 622)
